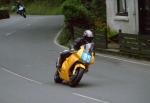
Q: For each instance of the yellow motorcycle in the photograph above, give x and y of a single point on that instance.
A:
(76, 65)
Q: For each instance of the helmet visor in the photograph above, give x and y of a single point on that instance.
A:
(89, 39)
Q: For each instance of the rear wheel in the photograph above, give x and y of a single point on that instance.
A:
(75, 79)
(57, 78)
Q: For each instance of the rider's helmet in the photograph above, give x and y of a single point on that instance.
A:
(88, 35)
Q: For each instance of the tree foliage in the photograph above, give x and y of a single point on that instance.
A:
(76, 13)
(87, 14)
(4, 1)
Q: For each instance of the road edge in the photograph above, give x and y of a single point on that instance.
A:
(129, 60)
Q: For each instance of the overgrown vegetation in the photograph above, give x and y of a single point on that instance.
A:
(38, 7)
(81, 15)
(44, 7)
(111, 32)
(4, 4)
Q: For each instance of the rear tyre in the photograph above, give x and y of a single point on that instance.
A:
(75, 79)
(57, 78)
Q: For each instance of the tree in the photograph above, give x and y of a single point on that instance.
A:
(4, 1)
(76, 15)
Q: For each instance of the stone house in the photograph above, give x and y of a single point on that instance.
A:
(131, 16)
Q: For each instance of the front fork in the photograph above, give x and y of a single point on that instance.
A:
(81, 66)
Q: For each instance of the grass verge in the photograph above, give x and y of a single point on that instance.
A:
(42, 8)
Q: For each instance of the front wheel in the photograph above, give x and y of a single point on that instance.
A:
(75, 79)
(24, 15)
(57, 78)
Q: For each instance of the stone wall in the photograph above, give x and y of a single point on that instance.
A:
(4, 14)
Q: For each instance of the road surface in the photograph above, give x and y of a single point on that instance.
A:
(27, 65)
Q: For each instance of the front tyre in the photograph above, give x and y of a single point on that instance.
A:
(57, 78)
(24, 15)
(75, 79)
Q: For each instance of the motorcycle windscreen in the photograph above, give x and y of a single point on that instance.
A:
(87, 53)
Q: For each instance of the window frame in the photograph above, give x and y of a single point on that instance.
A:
(119, 13)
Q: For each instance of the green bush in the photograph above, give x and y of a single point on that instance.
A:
(81, 15)
(111, 33)
(98, 8)
(42, 8)
(76, 13)
(64, 38)
(85, 13)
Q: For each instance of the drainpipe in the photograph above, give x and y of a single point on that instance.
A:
(136, 25)
(135, 14)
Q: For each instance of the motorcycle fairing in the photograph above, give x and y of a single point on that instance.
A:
(65, 70)
(71, 60)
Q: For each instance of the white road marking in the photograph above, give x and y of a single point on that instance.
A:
(8, 34)
(90, 98)
(55, 40)
(125, 60)
(13, 73)
(102, 55)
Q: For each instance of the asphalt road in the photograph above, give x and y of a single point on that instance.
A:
(27, 65)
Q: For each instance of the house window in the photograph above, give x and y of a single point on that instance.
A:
(122, 8)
